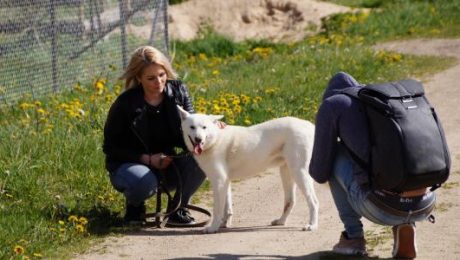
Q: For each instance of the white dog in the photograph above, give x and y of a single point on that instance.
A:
(236, 152)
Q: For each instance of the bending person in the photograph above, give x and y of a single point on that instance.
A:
(342, 118)
(141, 133)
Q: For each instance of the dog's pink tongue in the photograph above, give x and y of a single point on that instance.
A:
(197, 149)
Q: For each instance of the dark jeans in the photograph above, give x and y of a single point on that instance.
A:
(138, 182)
(352, 200)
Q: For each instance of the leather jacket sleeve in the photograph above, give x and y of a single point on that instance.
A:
(183, 97)
(117, 132)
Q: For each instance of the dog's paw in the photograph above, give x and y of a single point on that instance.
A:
(225, 225)
(310, 227)
(210, 230)
(227, 221)
(278, 222)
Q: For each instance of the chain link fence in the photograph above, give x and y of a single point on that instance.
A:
(48, 45)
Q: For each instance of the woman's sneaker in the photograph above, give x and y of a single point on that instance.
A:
(181, 217)
(350, 246)
(404, 241)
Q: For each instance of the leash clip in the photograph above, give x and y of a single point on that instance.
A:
(431, 219)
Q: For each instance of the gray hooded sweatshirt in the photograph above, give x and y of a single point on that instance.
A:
(340, 117)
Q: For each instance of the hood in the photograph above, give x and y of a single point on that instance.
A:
(338, 83)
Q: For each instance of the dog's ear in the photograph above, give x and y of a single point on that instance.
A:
(215, 118)
(182, 112)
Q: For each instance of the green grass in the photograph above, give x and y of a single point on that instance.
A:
(377, 238)
(52, 177)
(394, 19)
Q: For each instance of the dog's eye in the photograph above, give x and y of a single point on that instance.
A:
(204, 127)
(192, 127)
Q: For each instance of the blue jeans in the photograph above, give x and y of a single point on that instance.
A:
(352, 202)
(138, 182)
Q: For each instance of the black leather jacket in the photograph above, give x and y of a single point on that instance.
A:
(126, 127)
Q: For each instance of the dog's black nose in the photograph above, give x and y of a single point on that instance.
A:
(197, 140)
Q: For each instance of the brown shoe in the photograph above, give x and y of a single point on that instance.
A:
(350, 246)
(404, 241)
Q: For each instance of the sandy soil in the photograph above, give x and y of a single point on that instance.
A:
(257, 201)
(276, 20)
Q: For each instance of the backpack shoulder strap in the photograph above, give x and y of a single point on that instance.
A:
(353, 92)
(355, 157)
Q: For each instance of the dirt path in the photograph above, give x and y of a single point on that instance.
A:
(259, 200)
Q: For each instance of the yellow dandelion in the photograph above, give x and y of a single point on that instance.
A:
(63, 106)
(38, 255)
(237, 109)
(216, 108)
(435, 31)
(202, 57)
(109, 98)
(229, 114)
(245, 99)
(80, 228)
(99, 85)
(76, 102)
(72, 218)
(41, 111)
(323, 40)
(61, 222)
(191, 59)
(117, 89)
(38, 103)
(78, 87)
(201, 110)
(411, 30)
(25, 106)
(19, 250)
(263, 52)
(215, 72)
(83, 220)
(247, 121)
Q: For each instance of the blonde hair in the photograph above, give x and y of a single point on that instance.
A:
(141, 58)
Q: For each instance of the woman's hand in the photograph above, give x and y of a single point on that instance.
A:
(221, 124)
(158, 160)
(161, 161)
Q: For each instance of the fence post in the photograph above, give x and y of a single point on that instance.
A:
(91, 22)
(161, 8)
(165, 20)
(54, 53)
(156, 7)
(123, 6)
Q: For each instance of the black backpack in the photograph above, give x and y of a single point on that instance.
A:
(408, 146)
